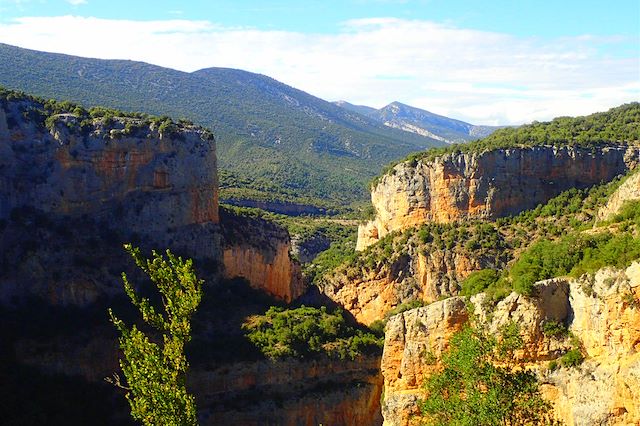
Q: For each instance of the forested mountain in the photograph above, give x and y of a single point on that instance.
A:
(274, 141)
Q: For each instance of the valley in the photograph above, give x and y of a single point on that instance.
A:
(317, 307)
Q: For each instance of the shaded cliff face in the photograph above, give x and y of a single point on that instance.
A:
(71, 192)
(259, 251)
(486, 185)
(602, 311)
(290, 392)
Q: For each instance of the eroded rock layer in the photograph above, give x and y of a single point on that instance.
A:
(601, 311)
(486, 185)
(259, 251)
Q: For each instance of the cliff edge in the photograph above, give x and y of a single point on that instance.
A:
(487, 185)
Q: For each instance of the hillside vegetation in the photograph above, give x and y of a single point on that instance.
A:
(274, 142)
(557, 238)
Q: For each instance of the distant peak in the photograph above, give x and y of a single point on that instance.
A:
(398, 104)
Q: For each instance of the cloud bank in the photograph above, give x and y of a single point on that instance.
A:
(478, 76)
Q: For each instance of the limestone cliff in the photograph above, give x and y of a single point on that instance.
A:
(72, 190)
(601, 311)
(485, 185)
(73, 171)
(628, 191)
(259, 251)
(290, 392)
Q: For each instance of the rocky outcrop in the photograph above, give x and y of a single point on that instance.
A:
(601, 311)
(425, 276)
(485, 185)
(411, 338)
(605, 389)
(290, 392)
(259, 251)
(72, 191)
(628, 191)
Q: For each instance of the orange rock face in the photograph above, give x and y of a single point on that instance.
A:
(277, 274)
(368, 295)
(602, 312)
(486, 185)
(412, 339)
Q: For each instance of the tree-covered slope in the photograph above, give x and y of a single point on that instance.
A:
(274, 141)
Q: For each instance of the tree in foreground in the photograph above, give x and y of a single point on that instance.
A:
(155, 366)
(480, 385)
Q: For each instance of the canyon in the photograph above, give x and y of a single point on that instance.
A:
(73, 189)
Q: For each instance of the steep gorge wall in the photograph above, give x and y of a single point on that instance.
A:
(602, 311)
(290, 392)
(486, 185)
(71, 193)
(153, 188)
(259, 251)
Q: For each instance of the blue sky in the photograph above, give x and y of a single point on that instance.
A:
(517, 17)
(488, 62)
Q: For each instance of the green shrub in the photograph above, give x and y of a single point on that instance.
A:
(377, 327)
(477, 386)
(572, 358)
(305, 332)
(478, 281)
(554, 329)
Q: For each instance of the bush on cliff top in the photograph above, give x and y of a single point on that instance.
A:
(45, 113)
(306, 332)
(574, 254)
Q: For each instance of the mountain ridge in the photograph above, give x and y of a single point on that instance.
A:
(412, 119)
(274, 141)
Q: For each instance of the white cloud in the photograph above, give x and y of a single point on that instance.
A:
(481, 77)
(76, 2)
